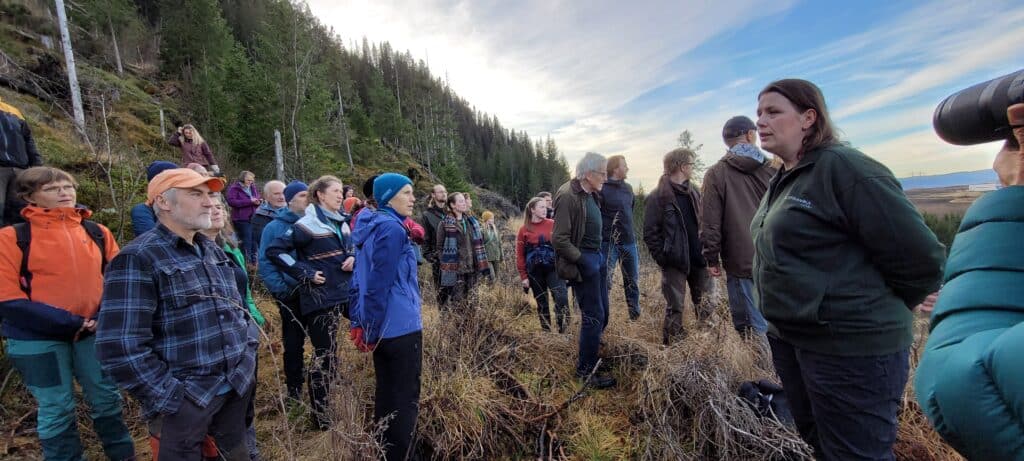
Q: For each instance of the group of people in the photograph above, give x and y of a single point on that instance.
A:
(824, 257)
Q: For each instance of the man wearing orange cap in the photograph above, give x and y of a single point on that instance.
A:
(171, 331)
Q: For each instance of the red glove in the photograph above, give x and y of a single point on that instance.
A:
(356, 336)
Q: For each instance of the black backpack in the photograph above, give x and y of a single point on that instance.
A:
(23, 231)
(540, 256)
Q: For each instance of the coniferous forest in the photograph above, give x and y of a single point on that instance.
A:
(241, 69)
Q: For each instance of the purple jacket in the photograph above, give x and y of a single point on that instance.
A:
(241, 204)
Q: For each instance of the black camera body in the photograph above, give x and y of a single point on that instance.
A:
(977, 114)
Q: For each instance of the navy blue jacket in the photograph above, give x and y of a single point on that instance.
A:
(617, 212)
(320, 243)
(143, 218)
(385, 292)
(279, 283)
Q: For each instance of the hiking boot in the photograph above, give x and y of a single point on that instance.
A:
(598, 381)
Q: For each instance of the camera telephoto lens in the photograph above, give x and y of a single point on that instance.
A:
(977, 114)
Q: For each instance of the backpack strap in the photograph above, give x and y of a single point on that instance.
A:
(100, 239)
(23, 231)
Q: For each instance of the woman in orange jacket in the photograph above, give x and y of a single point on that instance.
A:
(49, 300)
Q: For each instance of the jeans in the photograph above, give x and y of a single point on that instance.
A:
(182, 434)
(592, 293)
(243, 231)
(49, 369)
(543, 280)
(844, 407)
(626, 253)
(673, 287)
(745, 315)
(322, 328)
(293, 338)
(397, 364)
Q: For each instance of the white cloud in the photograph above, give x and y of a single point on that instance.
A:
(570, 68)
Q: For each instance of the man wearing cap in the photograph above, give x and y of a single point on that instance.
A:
(143, 218)
(171, 330)
(283, 287)
(732, 191)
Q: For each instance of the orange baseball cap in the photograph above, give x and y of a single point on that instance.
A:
(180, 178)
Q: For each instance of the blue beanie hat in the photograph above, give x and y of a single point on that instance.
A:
(387, 185)
(158, 167)
(293, 188)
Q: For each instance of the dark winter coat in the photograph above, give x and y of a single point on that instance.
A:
(617, 212)
(841, 256)
(731, 191)
(17, 147)
(664, 227)
(320, 244)
(570, 223)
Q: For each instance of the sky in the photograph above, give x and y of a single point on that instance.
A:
(626, 78)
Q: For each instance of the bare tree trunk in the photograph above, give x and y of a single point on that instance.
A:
(278, 155)
(344, 127)
(69, 60)
(117, 50)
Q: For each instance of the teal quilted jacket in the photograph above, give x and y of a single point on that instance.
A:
(970, 381)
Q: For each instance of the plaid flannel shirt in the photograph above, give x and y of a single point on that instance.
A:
(171, 325)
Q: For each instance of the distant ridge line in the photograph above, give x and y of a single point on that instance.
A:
(959, 178)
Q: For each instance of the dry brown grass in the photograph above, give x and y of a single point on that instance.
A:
(497, 387)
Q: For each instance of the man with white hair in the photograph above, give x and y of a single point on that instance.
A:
(273, 196)
(577, 240)
(171, 330)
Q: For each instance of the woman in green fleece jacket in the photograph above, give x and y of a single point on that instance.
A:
(841, 258)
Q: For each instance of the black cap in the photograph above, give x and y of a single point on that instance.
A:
(368, 187)
(737, 126)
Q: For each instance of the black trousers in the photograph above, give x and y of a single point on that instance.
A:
(322, 328)
(397, 363)
(543, 280)
(458, 294)
(293, 337)
(182, 433)
(844, 407)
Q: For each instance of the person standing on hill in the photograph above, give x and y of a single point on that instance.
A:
(194, 148)
(285, 289)
(492, 241)
(618, 240)
(672, 218)
(324, 259)
(576, 237)
(431, 220)
(968, 380)
(535, 260)
(50, 292)
(841, 257)
(462, 253)
(17, 152)
(244, 199)
(273, 195)
(171, 331)
(386, 312)
(731, 191)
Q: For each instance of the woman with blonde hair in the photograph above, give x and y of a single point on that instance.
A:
(194, 148)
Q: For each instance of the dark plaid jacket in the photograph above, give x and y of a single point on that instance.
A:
(171, 324)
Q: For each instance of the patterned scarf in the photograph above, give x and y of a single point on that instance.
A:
(450, 250)
(748, 150)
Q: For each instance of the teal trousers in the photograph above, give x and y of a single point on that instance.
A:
(49, 369)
